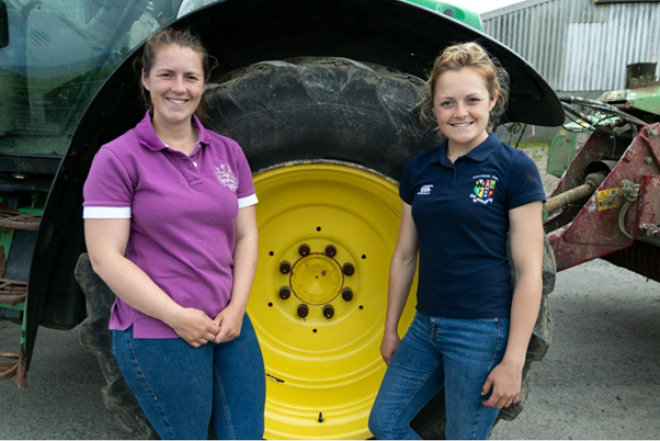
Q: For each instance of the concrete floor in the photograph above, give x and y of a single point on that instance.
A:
(600, 378)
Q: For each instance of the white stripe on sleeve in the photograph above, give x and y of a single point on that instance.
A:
(106, 212)
(247, 201)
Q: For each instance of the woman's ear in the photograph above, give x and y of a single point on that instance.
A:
(493, 101)
(145, 81)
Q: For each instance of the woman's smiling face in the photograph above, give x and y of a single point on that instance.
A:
(175, 84)
(461, 106)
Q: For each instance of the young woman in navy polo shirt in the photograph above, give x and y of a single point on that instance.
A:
(170, 226)
(460, 201)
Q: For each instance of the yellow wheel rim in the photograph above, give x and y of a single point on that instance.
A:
(327, 232)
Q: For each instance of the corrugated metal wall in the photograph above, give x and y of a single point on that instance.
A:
(577, 45)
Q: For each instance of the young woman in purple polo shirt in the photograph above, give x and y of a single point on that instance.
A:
(170, 226)
(460, 201)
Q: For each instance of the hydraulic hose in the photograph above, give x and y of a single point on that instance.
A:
(602, 106)
(592, 182)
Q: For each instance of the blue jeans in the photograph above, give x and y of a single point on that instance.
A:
(181, 388)
(435, 352)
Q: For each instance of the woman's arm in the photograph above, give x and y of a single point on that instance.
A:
(402, 271)
(527, 255)
(106, 241)
(246, 252)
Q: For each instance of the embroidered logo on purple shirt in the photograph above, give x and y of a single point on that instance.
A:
(226, 177)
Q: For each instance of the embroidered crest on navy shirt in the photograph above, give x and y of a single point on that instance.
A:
(226, 177)
(426, 189)
(484, 189)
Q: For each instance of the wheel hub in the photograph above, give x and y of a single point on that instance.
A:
(316, 279)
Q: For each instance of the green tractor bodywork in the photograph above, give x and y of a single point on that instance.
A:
(642, 102)
(463, 15)
(563, 147)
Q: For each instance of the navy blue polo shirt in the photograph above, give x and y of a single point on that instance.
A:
(461, 212)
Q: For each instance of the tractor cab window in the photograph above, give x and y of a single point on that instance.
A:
(59, 52)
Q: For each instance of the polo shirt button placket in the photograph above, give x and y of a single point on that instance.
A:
(453, 176)
(188, 169)
(195, 172)
(197, 147)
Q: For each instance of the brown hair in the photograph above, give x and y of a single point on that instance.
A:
(182, 38)
(473, 56)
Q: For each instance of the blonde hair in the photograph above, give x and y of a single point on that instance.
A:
(182, 38)
(473, 56)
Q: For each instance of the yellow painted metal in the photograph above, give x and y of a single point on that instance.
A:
(324, 373)
(316, 279)
(607, 199)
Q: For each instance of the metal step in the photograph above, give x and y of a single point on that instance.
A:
(13, 293)
(11, 369)
(19, 221)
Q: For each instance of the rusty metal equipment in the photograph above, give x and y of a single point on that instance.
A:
(607, 203)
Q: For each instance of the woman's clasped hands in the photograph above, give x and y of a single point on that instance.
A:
(197, 328)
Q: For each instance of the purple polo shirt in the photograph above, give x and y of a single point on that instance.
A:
(182, 209)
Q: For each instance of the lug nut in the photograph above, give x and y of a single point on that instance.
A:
(348, 269)
(304, 250)
(330, 251)
(328, 311)
(285, 292)
(347, 294)
(303, 310)
(285, 267)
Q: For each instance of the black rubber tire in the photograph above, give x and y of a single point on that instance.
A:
(321, 108)
(97, 338)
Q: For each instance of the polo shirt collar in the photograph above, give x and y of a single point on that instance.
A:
(147, 134)
(479, 153)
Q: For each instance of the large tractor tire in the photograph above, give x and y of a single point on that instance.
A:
(96, 338)
(327, 139)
